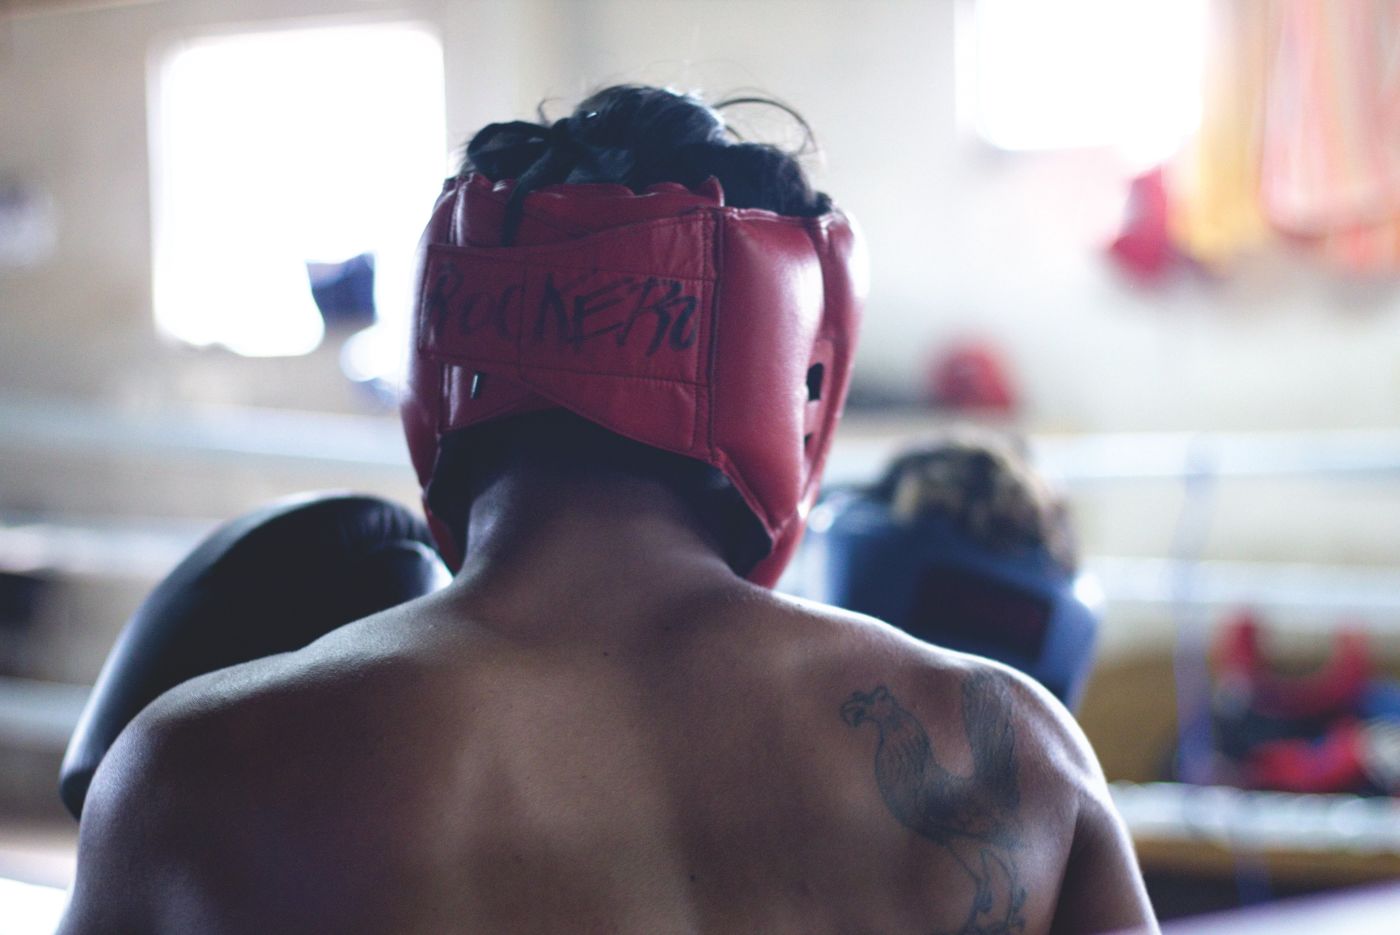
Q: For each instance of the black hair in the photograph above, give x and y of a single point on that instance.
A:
(637, 136)
(983, 482)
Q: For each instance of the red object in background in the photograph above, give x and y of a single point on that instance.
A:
(972, 375)
(1144, 248)
(1333, 763)
(1333, 689)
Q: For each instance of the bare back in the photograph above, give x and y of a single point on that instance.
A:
(726, 761)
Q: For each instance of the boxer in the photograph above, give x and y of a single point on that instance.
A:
(633, 337)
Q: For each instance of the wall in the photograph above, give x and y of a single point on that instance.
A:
(965, 240)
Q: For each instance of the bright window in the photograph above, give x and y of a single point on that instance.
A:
(1073, 73)
(277, 149)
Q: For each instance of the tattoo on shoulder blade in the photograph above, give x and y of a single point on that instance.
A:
(972, 817)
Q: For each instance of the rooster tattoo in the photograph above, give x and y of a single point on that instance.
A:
(973, 817)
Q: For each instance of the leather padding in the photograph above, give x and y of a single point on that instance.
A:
(665, 317)
(269, 582)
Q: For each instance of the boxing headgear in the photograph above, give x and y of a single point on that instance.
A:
(721, 334)
(931, 579)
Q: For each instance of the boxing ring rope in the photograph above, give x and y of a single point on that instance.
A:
(140, 548)
(213, 432)
(137, 548)
(144, 550)
(865, 444)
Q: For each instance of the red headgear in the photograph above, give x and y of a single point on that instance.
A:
(721, 334)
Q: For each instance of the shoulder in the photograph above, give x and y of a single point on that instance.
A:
(219, 794)
(246, 724)
(957, 697)
(310, 718)
(964, 745)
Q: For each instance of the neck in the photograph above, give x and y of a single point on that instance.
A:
(542, 540)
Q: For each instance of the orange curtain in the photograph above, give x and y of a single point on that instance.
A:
(1300, 134)
(1214, 211)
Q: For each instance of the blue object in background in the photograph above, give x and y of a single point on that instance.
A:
(344, 292)
(1381, 698)
(934, 582)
